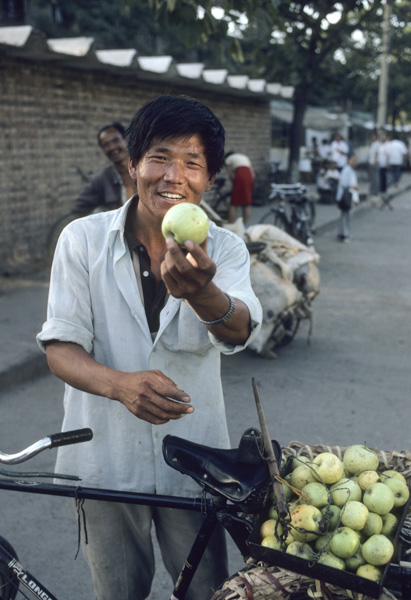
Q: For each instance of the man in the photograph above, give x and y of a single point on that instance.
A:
(396, 158)
(135, 328)
(241, 173)
(339, 151)
(113, 186)
(348, 181)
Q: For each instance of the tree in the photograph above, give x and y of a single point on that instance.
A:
(294, 42)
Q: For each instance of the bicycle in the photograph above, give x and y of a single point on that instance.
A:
(220, 201)
(292, 211)
(239, 482)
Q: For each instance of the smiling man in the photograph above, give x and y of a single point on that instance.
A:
(135, 328)
(113, 186)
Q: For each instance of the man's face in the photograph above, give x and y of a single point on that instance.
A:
(113, 145)
(171, 171)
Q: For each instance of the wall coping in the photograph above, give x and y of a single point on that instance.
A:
(27, 43)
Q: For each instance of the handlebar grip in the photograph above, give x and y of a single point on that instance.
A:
(65, 438)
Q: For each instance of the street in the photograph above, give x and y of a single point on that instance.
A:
(350, 385)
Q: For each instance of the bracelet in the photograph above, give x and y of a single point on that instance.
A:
(223, 319)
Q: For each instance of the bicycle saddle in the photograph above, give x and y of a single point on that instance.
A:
(235, 474)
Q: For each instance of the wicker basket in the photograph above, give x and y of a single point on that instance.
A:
(264, 582)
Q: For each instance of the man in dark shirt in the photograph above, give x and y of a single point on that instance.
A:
(113, 186)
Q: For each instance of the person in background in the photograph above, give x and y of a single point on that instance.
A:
(397, 153)
(348, 179)
(382, 158)
(339, 151)
(241, 173)
(373, 173)
(135, 328)
(324, 150)
(113, 186)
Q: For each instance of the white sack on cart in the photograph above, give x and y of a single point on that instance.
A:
(275, 293)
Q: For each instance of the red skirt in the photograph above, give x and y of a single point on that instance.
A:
(242, 192)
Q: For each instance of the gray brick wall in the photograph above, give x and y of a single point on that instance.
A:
(49, 117)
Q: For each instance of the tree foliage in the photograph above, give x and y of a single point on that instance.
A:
(328, 51)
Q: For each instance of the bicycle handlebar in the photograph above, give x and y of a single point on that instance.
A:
(52, 441)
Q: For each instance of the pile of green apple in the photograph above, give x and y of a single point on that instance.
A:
(344, 513)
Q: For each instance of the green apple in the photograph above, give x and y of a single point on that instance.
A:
(369, 572)
(367, 478)
(333, 513)
(399, 489)
(301, 476)
(345, 542)
(300, 460)
(271, 527)
(322, 541)
(272, 513)
(360, 458)
(287, 491)
(379, 498)
(185, 221)
(301, 549)
(270, 541)
(345, 489)
(315, 493)
(331, 560)
(373, 525)
(356, 560)
(305, 522)
(393, 474)
(354, 514)
(389, 524)
(377, 550)
(328, 468)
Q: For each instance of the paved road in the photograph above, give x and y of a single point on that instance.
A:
(349, 386)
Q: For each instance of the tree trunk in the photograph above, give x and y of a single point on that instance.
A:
(296, 132)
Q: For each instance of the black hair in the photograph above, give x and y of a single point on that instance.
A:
(175, 116)
(120, 128)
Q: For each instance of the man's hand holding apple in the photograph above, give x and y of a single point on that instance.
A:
(190, 276)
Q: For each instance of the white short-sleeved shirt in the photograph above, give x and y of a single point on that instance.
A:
(237, 160)
(396, 152)
(94, 301)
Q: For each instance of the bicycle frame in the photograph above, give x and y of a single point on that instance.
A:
(297, 223)
(216, 510)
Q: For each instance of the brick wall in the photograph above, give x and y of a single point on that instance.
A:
(49, 117)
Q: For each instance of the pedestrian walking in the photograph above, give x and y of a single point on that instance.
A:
(382, 164)
(396, 158)
(347, 195)
(373, 168)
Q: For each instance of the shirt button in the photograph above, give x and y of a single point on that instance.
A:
(141, 249)
(146, 273)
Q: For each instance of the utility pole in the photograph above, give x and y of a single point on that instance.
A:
(383, 83)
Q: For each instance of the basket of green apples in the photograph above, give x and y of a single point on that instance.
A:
(346, 511)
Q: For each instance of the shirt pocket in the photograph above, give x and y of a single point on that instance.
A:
(185, 333)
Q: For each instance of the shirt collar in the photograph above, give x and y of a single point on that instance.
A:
(119, 224)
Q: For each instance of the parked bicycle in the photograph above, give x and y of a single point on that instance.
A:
(239, 482)
(220, 197)
(291, 210)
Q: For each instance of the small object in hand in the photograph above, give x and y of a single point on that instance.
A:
(185, 221)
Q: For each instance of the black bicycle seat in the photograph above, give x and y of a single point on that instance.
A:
(230, 473)
(255, 247)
